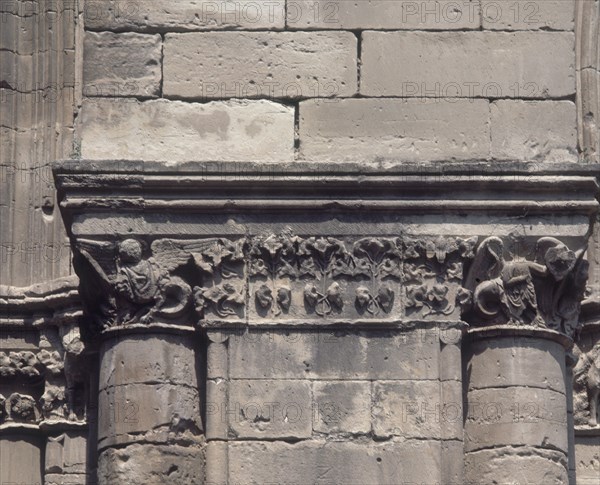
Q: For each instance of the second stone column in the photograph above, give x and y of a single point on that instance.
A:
(149, 426)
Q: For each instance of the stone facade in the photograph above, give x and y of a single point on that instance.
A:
(299, 242)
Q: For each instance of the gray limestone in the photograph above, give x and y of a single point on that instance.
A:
(468, 64)
(384, 14)
(121, 65)
(177, 131)
(407, 129)
(527, 15)
(164, 15)
(534, 130)
(257, 65)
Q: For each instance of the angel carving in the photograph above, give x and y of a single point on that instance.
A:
(121, 286)
(540, 292)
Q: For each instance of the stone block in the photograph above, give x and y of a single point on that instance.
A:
(522, 465)
(415, 409)
(342, 407)
(333, 355)
(468, 64)
(148, 359)
(516, 416)
(152, 465)
(20, 458)
(216, 409)
(587, 459)
(516, 361)
(265, 409)
(67, 479)
(451, 357)
(383, 14)
(147, 412)
(66, 454)
(527, 15)
(177, 131)
(263, 64)
(541, 130)
(406, 129)
(368, 463)
(127, 64)
(184, 15)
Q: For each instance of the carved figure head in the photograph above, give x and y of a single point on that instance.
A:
(130, 251)
(560, 261)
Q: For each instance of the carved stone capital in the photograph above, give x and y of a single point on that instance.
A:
(541, 287)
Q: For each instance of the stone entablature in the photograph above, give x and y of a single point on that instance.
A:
(366, 255)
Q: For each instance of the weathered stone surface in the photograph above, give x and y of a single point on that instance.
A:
(520, 465)
(530, 130)
(411, 130)
(65, 479)
(342, 407)
(587, 458)
(250, 65)
(330, 462)
(383, 14)
(516, 416)
(518, 361)
(527, 15)
(117, 65)
(164, 15)
(66, 454)
(264, 409)
(148, 412)
(149, 359)
(20, 459)
(415, 409)
(333, 356)
(468, 64)
(170, 464)
(176, 131)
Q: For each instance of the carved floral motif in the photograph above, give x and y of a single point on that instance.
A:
(433, 272)
(272, 260)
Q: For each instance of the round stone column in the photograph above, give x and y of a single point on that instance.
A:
(516, 406)
(149, 424)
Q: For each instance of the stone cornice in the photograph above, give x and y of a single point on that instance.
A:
(514, 188)
(55, 302)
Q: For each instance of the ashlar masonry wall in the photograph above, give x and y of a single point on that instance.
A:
(329, 80)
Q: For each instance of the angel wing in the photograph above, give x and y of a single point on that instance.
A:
(99, 256)
(173, 253)
(488, 262)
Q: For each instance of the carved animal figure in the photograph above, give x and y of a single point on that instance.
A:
(587, 376)
(546, 290)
